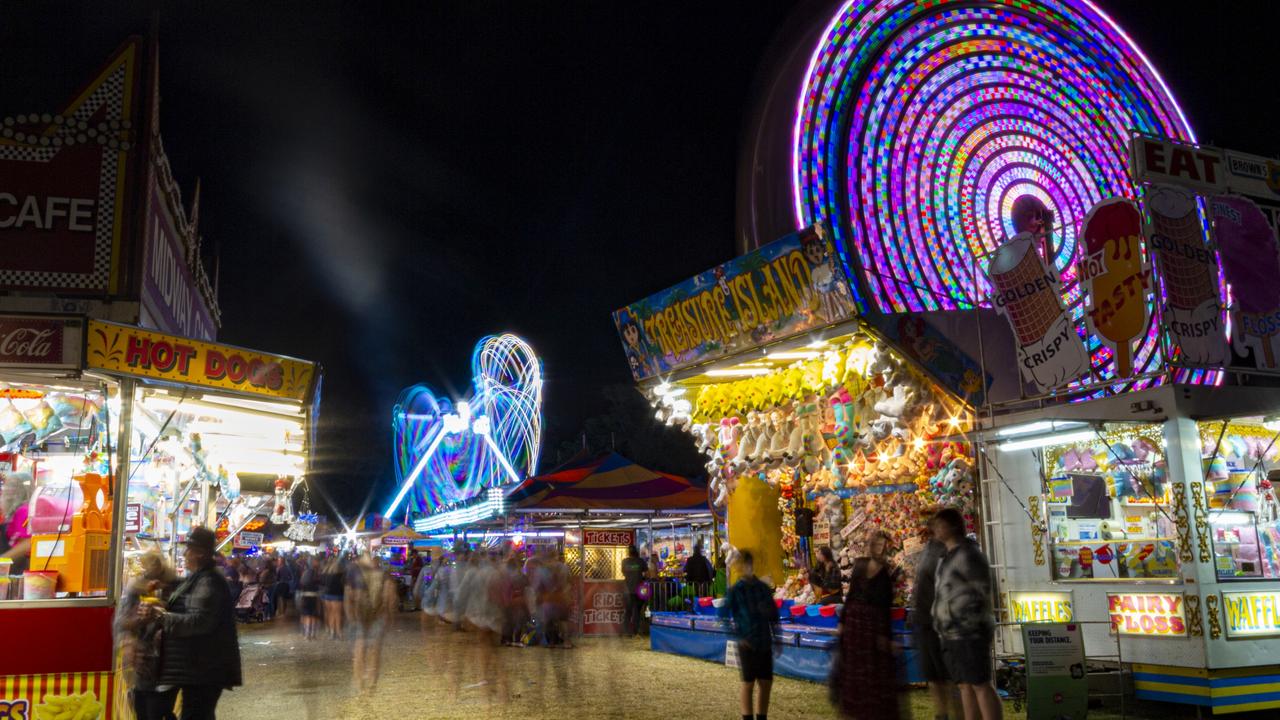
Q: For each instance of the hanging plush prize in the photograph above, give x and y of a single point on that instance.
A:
(280, 511)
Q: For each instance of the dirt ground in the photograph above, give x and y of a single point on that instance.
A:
(438, 673)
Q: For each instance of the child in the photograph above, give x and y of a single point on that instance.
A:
(754, 614)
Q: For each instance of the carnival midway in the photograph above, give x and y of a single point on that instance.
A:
(988, 403)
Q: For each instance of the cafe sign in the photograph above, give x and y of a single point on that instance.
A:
(1040, 607)
(1252, 614)
(133, 351)
(1147, 614)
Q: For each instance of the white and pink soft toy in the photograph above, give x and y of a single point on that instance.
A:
(729, 434)
(747, 441)
(780, 436)
(280, 512)
(764, 440)
(896, 404)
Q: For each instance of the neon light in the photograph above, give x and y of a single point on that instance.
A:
(413, 475)
(919, 124)
(487, 440)
(492, 506)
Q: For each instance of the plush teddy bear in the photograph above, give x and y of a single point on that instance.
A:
(832, 364)
(747, 441)
(729, 435)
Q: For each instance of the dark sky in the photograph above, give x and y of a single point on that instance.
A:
(388, 184)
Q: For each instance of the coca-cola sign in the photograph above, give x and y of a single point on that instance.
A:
(42, 342)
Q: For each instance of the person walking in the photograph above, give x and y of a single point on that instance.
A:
(867, 669)
(751, 608)
(309, 598)
(138, 636)
(825, 578)
(370, 602)
(333, 589)
(200, 653)
(928, 645)
(633, 573)
(963, 616)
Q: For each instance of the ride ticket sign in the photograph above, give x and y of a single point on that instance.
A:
(1148, 614)
(143, 353)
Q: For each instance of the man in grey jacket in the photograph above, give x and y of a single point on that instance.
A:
(963, 616)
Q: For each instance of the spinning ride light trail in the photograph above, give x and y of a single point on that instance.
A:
(920, 124)
(447, 454)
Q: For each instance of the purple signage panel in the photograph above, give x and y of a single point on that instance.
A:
(170, 297)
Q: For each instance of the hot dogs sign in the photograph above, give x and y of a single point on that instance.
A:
(144, 353)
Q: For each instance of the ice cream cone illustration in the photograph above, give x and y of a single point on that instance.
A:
(1188, 274)
(1027, 293)
(1251, 266)
(1115, 278)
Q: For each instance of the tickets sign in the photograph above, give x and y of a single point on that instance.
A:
(1040, 607)
(609, 537)
(144, 353)
(603, 605)
(1252, 614)
(1147, 614)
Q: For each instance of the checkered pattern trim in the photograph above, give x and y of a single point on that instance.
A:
(99, 119)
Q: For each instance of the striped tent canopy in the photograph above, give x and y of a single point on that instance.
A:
(607, 482)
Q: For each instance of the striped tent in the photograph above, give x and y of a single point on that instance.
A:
(607, 482)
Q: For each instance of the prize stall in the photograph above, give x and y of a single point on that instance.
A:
(815, 430)
(118, 440)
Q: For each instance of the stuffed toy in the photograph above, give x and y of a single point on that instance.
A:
(747, 441)
(729, 435)
(280, 512)
(832, 364)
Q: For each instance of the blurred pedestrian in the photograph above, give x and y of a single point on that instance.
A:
(866, 674)
(634, 570)
(15, 531)
(928, 645)
(751, 608)
(370, 602)
(309, 587)
(963, 616)
(517, 608)
(138, 636)
(267, 579)
(332, 592)
(286, 584)
(200, 653)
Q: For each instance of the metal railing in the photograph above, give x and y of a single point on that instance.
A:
(675, 595)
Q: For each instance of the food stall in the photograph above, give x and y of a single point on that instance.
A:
(816, 431)
(185, 423)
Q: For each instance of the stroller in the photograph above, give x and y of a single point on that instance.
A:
(251, 606)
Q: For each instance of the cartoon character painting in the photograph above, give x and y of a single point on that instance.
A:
(831, 294)
(643, 363)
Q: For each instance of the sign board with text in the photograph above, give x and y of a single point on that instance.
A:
(133, 518)
(1251, 614)
(171, 295)
(249, 539)
(621, 538)
(1057, 685)
(782, 289)
(603, 604)
(64, 186)
(41, 342)
(1208, 170)
(144, 353)
(1153, 614)
(1040, 607)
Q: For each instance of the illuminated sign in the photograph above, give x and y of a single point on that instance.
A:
(1148, 614)
(1037, 607)
(144, 353)
(1252, 614)
(610, 537)
(782, 289)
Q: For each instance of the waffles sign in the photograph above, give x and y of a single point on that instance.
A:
(1149, 614)
(132, 351)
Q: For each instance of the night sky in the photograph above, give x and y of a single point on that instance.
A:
(385, 186)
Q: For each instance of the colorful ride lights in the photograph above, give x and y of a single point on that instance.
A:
(493, 505)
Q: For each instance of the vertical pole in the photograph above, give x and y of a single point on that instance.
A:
(582, 579)
(120, 485)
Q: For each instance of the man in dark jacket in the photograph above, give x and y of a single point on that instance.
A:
(697, 569)
(963, 616)
(201, 656)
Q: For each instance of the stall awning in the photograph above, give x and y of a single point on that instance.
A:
(608, 482)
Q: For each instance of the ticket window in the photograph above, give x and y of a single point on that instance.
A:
(1240, 458)
(56, 457)
(1107, 503)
